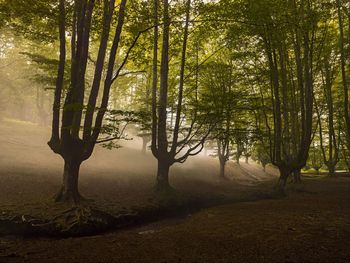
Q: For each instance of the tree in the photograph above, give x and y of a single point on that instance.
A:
(177, 147)
(340, 6)
(330, 152)
(217, 81)
(290, 50)
(65, 139)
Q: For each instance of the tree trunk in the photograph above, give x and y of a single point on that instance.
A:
(222, 168)
(331, 169)
(163, 175)
(55, 134)
(343, 72)
(69, 191)
(144, 144)
(154, 135)
(296, 177)
(284, 174)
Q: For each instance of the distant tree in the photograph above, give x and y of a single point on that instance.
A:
(218, 92)
(329, 140)
(261, 155)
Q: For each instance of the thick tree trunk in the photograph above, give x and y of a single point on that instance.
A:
(331, 169)
(69, 191)
(297, 177)
(284, 174)
(163, 175)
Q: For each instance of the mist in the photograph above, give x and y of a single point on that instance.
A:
(28, 165)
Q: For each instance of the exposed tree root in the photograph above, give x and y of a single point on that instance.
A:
(68, 197)
(75, 221)
(82, 220)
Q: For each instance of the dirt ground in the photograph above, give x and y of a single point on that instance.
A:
(311, 224)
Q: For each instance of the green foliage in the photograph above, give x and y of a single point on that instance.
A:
(34, 19)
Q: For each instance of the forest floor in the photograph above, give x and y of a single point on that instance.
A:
(311, 224)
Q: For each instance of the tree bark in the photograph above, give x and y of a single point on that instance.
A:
(297, 177)
(343, 72)
(182, 80)
(108, 13)
(284, 174)
(163, 93)
(55, 136)
(222, 168)
(163, 175)
(69, 191)
(154, 81)
(109, 75)
(331, 169)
